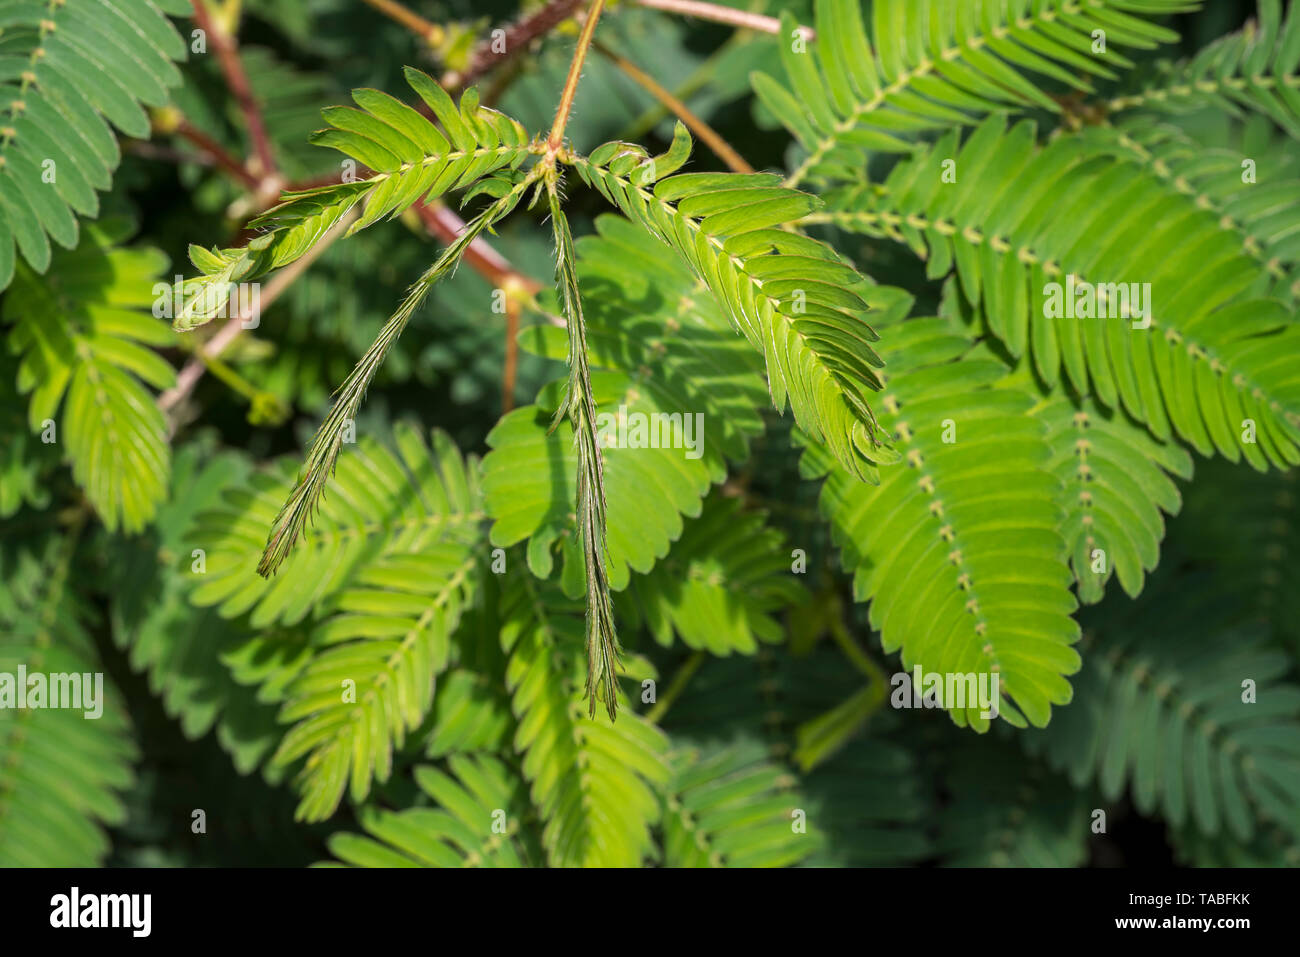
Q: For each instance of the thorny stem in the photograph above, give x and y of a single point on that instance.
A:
(721, 14)
(430, 32)
(555, 142)
(720, 147)
(227, 52)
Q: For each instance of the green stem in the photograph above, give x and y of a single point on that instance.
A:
(675, 688)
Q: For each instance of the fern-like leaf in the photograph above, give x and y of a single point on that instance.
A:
(1252, 70)
(87, 358)
(594, 784)
(326, 445)
(579, 407)
(935, 64)
(72, 69)
(721, 583)
(656, 348)
(958, 550)
(478, 820)
(412, 161)
(1207, 361)
(386, 577)
(1005, 813)
(183, 649)
(793, 298)
(1259, 207)
(62, 771)
(1206, 732)
(1115, 484)
(733, 808)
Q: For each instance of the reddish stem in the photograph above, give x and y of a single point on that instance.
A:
(218, 154)
(226, 48)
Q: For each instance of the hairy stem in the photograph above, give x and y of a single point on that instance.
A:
(555, 142)
(217, 154)
(443, 222)
(512, 355)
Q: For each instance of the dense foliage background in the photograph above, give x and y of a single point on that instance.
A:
(878, 786)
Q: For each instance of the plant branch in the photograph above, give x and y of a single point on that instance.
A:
(512, 355)
(720, 147)
(227, 52)
(198, 364)
(675, 688)
(426, 30)
(720, 14)
(518, 35)
(328, 442)
(480, 256)
(701, 78)
(864, 663)
(496, 269)
(555, 142)
(218, 155)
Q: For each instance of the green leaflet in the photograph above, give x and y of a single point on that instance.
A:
(1202, 732)
(87, 361)
(869, 806)
(818, 351)
(62, 776)
(935, 64)
(479, 820)
(322, 458)
(385, 576)
(1243, 526)
(1007, 814)
(25, 461)
(578, 407)
(872, 805)
(184, 650)
(730, 807)
(958, 549)
(719, 586)
(1216, 366)
(71, 70)
(681, 359)
(1252, 70)
(578, 767)
(1254, 196)
(1115, 484)
(405, 159)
